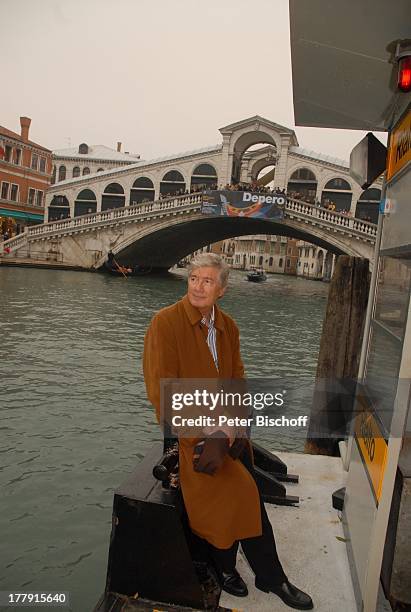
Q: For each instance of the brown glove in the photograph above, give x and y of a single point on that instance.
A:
(212, 455)
(238, 447)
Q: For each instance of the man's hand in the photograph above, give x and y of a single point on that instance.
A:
(212, 456)
(238, 447)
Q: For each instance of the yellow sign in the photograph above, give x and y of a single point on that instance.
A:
(399, 152)
(373, 449)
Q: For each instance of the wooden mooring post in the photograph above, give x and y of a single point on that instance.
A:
(339, 356)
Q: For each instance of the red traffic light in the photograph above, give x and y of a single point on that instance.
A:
(404, 74)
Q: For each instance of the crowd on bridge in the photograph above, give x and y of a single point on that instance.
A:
(234, 186)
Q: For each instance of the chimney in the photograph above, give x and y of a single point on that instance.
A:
(25, 126)
(119, 147)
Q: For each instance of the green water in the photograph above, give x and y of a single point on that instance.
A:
(74, 418)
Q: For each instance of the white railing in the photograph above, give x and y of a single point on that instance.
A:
(335, 218)
(187, 203)
(126, 213)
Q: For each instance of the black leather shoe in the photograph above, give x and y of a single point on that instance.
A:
(290, 594)
(233, 583)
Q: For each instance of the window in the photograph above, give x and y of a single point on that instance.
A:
(280, 263)
(288, 263)
(86, 170)
(5, 190)
(100, 170)
(32, 193)
(7, 154)
(42, 164)
(34, 161)
(53, 176)
(17, 156)
(14, 192)
(76, 171)
(62, 173)
(39, 198)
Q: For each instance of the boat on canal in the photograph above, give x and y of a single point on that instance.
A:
(127, 271)
(256, 276)
(112, 266)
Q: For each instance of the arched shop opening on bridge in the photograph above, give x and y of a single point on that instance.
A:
(59, 208)
(204, 177)
(142, 191)
(368, 205)
(303, 185)
(85, 203)
(113, 197)
(173, 182)
(337, 191)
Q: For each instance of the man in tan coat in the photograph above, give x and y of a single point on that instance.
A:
(195, 339)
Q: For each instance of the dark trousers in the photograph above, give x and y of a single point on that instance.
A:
(260, 552)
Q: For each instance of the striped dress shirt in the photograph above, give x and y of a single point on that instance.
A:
(211, 336)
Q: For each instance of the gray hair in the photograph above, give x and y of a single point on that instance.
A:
(212, 260)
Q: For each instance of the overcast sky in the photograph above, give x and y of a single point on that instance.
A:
(161, 76)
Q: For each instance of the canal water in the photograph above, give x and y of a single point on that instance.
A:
(74, 417)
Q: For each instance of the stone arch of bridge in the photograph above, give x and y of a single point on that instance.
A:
(246, 138)
(164, 242)
(242, 140)
(260, 164)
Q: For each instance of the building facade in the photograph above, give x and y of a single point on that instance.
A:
(273, 254)
(88, 159)
(314, 262)
(25, 175)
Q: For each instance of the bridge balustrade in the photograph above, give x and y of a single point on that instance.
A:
(331, 216)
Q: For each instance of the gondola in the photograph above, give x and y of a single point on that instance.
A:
(118, 270)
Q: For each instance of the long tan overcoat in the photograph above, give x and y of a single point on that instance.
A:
(224, 507)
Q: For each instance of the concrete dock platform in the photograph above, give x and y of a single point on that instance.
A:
(49, 264)
(310, 541)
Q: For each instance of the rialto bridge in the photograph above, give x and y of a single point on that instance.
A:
(249, 149)
(135, 211)
(160, 233)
